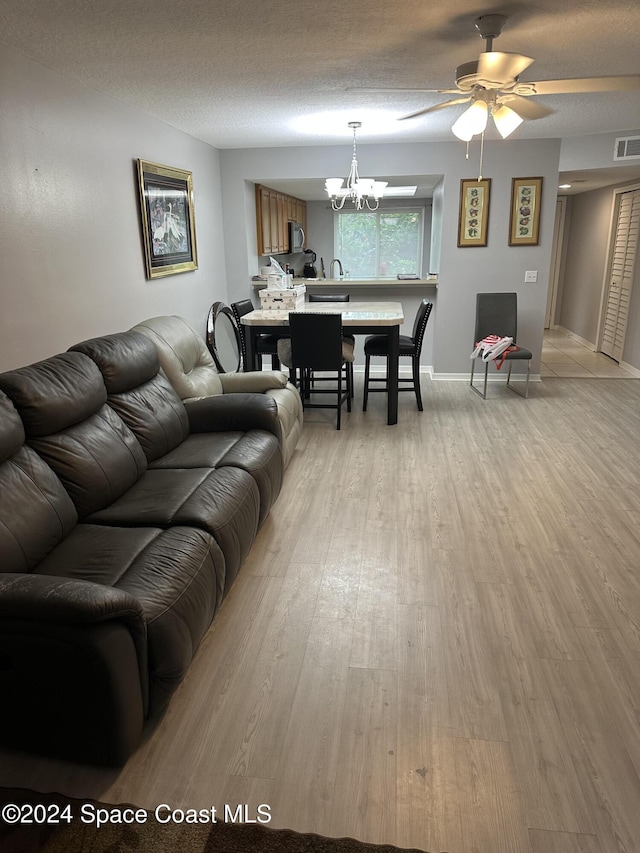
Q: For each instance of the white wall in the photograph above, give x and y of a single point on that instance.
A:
(70, 237)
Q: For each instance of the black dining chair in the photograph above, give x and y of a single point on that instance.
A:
(266, 344)
(410, 346)
(317, 346)
(337, 297)
(497, 314)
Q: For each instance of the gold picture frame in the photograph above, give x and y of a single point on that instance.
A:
(168, 219)
(473, 221)
(524, 222)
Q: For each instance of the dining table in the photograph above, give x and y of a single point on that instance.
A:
(360, 318)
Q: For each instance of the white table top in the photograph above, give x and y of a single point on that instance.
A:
(353, 314)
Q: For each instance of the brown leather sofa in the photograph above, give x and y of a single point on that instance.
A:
(125, 516)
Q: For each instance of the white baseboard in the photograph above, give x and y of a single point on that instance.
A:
(479, 377)
(632, 370)
(588, 344)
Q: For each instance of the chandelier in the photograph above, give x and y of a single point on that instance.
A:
(360, 191)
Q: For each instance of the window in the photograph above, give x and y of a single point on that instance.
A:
(381, 243)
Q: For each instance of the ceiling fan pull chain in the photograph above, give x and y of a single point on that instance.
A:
(481, 155)
(466, 156)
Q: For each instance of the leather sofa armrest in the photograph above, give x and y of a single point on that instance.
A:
(234, 413)
(73, 653)
(256, 381)
(47, 599)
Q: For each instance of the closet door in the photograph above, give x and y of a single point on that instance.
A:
(621, 279)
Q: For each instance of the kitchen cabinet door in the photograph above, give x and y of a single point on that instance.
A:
(263, 220)
(283, 223)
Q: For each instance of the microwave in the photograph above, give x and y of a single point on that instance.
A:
(296, 237)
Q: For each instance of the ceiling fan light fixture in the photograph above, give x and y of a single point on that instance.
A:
(472, 121)
(506, 120)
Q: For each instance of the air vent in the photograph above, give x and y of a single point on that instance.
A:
(627, 148)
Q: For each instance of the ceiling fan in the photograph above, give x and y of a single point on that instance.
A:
(493, 87)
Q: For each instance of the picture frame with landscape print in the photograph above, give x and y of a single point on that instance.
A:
(473, 222)
(168, 219)
(524, 223)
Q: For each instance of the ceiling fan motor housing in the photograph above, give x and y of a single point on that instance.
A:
(467, 76)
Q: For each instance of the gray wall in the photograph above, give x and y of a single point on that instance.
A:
(589, 218)
(72, 262)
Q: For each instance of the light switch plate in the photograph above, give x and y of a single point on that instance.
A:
(530, 276)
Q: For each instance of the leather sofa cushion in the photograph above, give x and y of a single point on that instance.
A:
(54, 394)
(36, 511)
(155, 414)
(183, 356)
(176, 576)
(11, 429)
(62, 402)
(257, 452)
(124, 359)
(225, 503)
(143, 398)
(96, 460)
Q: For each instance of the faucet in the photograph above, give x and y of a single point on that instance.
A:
(336, 261)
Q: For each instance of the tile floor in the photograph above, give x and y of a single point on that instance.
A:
(563, 355)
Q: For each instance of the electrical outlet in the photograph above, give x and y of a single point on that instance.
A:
(530, 276)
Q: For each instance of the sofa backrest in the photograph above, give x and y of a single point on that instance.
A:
(36, 513)
(137, 390)
(62, 404)
(183, 355)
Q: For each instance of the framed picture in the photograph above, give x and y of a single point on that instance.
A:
(168, 223)
(473, 223)
(524, 225)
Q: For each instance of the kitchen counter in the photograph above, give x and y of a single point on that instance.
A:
(328, 283)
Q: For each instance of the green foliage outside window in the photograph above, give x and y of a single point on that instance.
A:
(380, 244)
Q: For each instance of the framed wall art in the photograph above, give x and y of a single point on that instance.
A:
(473, 222)
(168, 221)
(524, 224)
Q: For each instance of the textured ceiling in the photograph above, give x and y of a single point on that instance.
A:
(236, 73)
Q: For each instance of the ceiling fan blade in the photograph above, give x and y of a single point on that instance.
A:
(436, 107)
(580, 84)
(403, 89)
(498, 68)
(525, 108)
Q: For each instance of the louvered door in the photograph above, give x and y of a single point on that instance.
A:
(621, 278)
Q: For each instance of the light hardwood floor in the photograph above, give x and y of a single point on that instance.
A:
(435, 641)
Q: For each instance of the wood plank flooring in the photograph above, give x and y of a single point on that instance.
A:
(435, 641)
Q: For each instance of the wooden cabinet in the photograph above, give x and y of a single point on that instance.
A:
(274, 211)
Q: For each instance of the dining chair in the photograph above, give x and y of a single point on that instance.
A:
(266, 344)
(337, 297)
(497, 314)
(410, 346)
(317, 346)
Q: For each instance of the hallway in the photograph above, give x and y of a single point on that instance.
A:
(566, 356)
